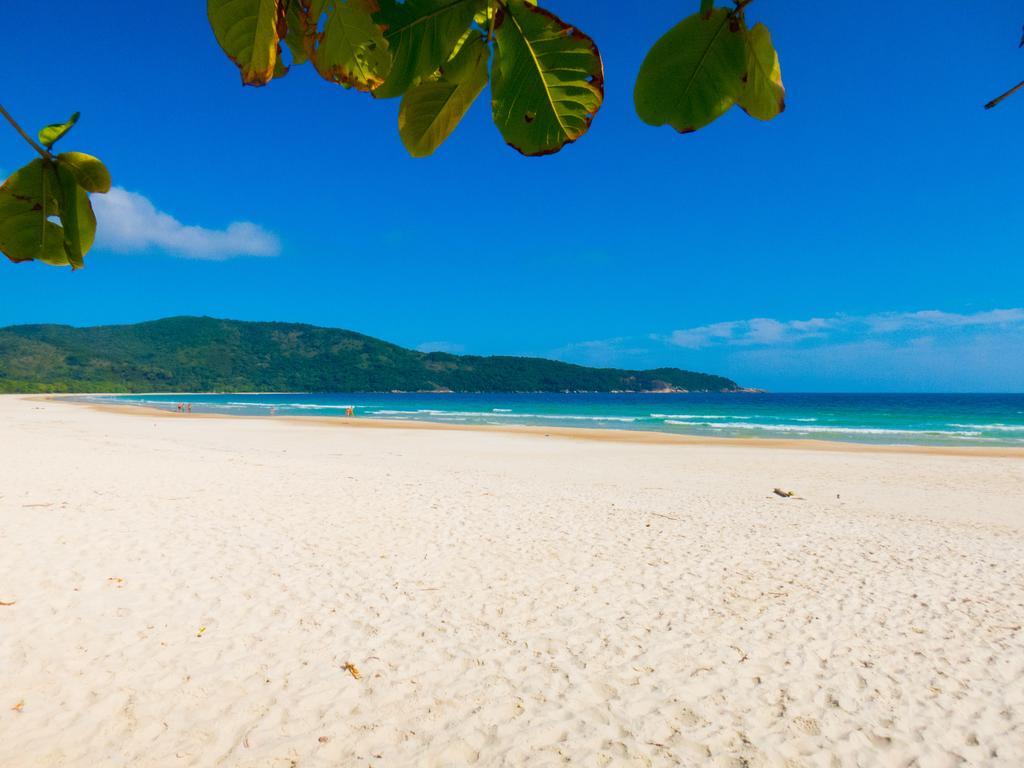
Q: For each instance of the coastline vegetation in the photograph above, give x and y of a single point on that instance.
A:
(201, 354)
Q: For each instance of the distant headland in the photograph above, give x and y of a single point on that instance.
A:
(203, 354)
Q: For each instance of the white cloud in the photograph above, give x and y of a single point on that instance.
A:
(988, 360)
(764, 331)
(901, 321)
(128, 221)
(759, 330)
(921, 351)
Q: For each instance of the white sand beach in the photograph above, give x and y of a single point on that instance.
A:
(179, 591)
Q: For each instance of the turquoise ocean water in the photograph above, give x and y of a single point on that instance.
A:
(983, 420)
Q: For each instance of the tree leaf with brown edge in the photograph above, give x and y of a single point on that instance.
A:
(250, 33)
(352, 50)
(300, 36)
(431, 110)
(28, 199)
(421, 35)
(693, 74)
(52, 133)
(762, 95)
(76, 217)
(547, 81)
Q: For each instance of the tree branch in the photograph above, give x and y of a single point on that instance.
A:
(42, 152)
(1010, 92)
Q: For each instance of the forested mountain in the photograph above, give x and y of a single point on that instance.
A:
(202, 354)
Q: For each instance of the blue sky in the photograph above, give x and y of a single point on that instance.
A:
(867, 239)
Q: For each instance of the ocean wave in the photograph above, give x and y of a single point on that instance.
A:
(499, 415)
(804, 429)
(696, 416)
(302, 407)
(296, 406)
(992, 427)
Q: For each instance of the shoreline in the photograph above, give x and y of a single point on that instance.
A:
(594, 434)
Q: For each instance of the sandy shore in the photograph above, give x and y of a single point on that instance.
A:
(197, 592)
(647, 437)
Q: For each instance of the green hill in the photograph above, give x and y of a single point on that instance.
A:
(201, 354)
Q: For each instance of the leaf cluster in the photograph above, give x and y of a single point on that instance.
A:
(45, 211)
(546, 76)
(704, 65)
(546, 80)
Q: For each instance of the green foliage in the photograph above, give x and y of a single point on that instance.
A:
(49, 135)
(189, 354)
(706, 64)
(351, 50)
(250, 32)
(76, 216)
(51, 188)
(28, 199)
(431, 110)
(89, 172)
(547, 84)
(693, 74)
(422, 35)
(548, 79)
(300, 34)
(762, 94)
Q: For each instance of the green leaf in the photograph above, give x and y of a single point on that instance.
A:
(89, 172)
(421, 34)
(53, 132)
(431, 110)
(301, 35)
(76, 216)
(762, 95)
(694, 73)
(483, 17)
(547, 79)
(28, 199)
(250, 32)
(352, 50)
